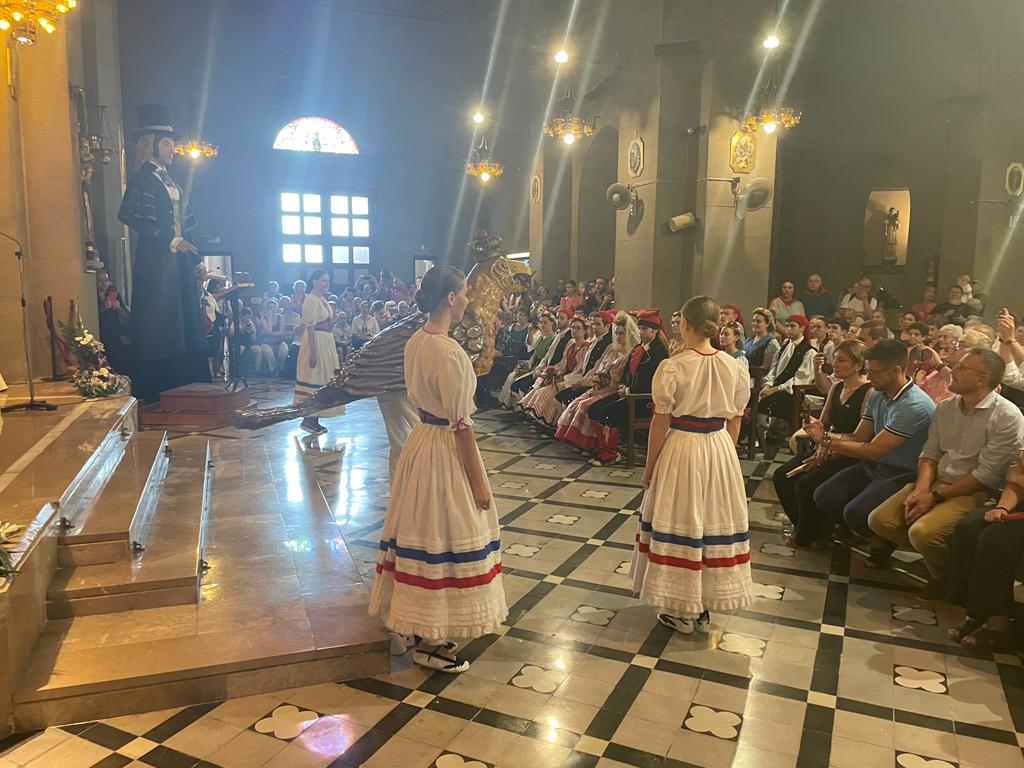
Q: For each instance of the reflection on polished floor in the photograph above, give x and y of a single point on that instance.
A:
(834, 665)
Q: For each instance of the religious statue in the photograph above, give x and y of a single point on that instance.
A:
(167, 333)
(892, 224)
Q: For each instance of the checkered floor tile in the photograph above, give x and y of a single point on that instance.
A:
(833, 665)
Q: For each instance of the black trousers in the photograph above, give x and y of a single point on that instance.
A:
(796, 494)
(566, 396)
(777, 404)
(613, 411)
(523, 383)
(985, 557)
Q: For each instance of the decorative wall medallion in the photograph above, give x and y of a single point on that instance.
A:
(635, 158)
(743, 152)
(536, 189)
(1015, 179)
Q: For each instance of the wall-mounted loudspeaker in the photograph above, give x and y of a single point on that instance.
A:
(619, 196)
(681, 222)
(753, 197)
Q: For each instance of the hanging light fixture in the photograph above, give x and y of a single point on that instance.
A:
(24, 18)
(568, 126)
(481, 164)
(195, 149)
(768, 114)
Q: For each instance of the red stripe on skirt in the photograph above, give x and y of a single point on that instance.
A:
(694, 565)
(449, 582)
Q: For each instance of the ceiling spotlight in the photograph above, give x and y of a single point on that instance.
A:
(478, 117)
(770, 127)
(562, 56)
(771, 42)
(569, 138)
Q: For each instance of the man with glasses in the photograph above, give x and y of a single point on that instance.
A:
(858, 305)
(974, 438)
(888, 441)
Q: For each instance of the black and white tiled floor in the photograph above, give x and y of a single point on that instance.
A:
(834, 665)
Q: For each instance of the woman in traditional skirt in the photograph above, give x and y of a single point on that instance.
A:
(510, 394)
(318, 356)
(692, 551)
(574, 425)
(439, 567)
(540, 403)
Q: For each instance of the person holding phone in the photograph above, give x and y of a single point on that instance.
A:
(439, 568)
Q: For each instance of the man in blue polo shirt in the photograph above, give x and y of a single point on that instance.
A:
(888, 441)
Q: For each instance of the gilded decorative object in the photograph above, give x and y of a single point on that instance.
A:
(24, 18)
(635, 156)
(569, 126)
(481, 164)
(195, 149)
(743, 152)
(536, 189)
(771, 118)
(378, 367)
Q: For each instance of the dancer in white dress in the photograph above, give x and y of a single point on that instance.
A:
(439, 566)
(318, 355)
(692, 551)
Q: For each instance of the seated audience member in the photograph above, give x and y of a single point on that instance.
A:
(348, 303)
(525, 376)
(973, 440)
(730, 314)
(731, 343)
(114, 325)
(986, 553)
(925, 308)
(886, 443)
(920, 358)
(247, 347)
(214, 322)
(527, 369)
(364, 327)
(858, 304)
(293, 334)
(272, 291)
(572, 299)
(761, 346)
(816, 300)
(786, 303)
(575, 425)
(794, 365)
(265, 338)
(676, 343)
(838, 328)
(519, 333)
(403, 309)
(612, 411)
(870, 333)
(878, 316)
(298, 295)
(844, 408)
(540, 403)
(575, 385)
(380, 314)
(606, 293)
(954, 309)
(819, 339)
(1011, 350)
(906, 320)
(342, 333)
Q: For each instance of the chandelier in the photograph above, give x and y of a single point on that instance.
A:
(481, 164)
(769, 113)
(770, 119)
(568, 126)
(195, 149)
(24, 18)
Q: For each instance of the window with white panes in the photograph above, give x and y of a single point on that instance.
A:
(330, 230)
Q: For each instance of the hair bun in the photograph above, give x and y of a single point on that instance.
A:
(425, 301)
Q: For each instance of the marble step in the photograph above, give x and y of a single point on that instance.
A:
(168, 571)
(115, 523)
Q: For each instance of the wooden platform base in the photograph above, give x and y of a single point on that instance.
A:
(194, 406)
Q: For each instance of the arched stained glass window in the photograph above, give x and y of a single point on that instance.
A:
(316, 134)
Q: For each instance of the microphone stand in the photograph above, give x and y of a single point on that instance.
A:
(32, 404)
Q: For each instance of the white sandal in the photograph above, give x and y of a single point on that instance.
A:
(680, 625)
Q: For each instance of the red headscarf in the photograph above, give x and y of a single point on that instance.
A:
(801, 320)
(739, 314)
(608, 316)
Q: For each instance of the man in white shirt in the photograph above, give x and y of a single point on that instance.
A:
(858, 305)
(364, 326)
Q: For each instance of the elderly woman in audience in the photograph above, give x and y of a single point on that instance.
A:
(786, 303)
(540, 402)
(796, 481)
(575, 425)
(987, 548)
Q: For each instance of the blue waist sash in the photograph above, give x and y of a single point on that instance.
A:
(431, 419)
(697, 424)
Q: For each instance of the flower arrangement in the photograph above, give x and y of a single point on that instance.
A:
(8, 533)
(93, 377)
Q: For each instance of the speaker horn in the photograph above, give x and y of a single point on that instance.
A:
(753, 197)
(681, 222)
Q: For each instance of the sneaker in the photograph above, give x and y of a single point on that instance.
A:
(682, 626)
(933, 592)
(703, 623)
(439, 660)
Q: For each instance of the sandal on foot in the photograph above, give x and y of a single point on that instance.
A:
(967, 627)
(703, 623)
(439, 660)
(985, 639)
(680, 625)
